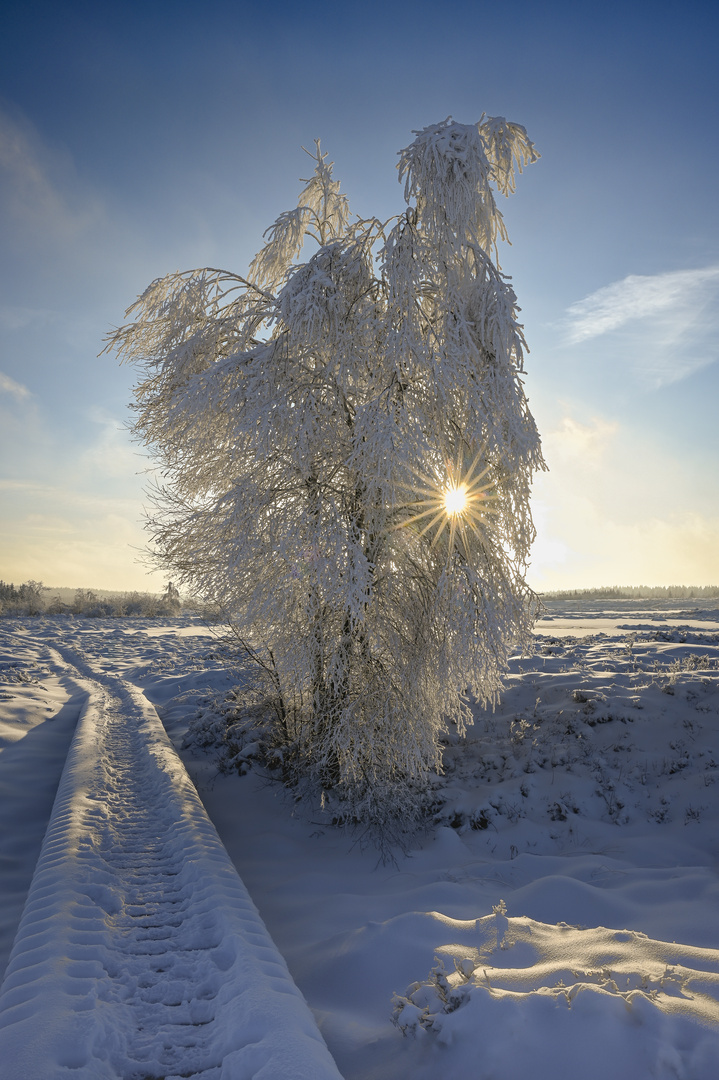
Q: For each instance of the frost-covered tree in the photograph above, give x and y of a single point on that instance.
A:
(346, 453)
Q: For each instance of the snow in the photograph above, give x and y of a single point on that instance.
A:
(557, 917)
(139, 952)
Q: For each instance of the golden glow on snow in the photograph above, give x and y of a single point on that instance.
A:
(460, 502)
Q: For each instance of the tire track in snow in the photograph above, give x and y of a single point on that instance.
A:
(160, 962)
(38, 716)
(140, 954)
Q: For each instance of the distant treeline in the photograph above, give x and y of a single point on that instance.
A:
(636, 592)
(34, 598)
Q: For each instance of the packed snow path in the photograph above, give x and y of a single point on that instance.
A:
(140, 954)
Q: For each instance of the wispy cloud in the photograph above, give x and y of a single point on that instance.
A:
(20, 318)
(42, 195)
(573, 441)
(636, 297)
(9, 386)
(112, 453)
(664, 325)
(62, 496)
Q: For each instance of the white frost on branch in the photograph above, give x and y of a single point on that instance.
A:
(291, 413)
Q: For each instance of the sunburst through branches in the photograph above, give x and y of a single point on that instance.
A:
(459, 501)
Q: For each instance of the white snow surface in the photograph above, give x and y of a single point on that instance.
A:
(139, 953)
(559, 916)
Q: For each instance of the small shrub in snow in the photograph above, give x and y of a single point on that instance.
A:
(25, 599)
(417, 1010)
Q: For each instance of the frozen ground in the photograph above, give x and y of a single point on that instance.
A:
(561, 915)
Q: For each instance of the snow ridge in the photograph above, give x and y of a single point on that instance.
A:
(140, 954)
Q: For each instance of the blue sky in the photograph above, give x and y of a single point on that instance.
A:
(137, 139)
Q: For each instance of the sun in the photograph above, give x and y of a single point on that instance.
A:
(455, 500)
(459, 501)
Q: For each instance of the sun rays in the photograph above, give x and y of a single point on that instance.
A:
(459, 501)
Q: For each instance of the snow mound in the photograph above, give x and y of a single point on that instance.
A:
(561, 991)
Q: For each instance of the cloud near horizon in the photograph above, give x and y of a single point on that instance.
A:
(617, 509)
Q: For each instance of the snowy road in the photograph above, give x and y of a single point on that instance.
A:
(140, 953)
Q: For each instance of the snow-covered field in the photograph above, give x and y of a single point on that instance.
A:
(560, 917)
